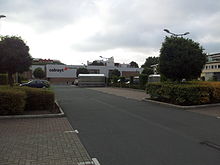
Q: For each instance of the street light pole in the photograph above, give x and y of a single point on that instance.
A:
(2, 16)
(176, 35)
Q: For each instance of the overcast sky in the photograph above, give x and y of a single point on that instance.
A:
(75, 31)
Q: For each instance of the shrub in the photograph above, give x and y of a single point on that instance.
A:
(131, 80)
(12, 101)
(115, 79)
(122, 79)
(38, 99)
(215, 89)
(3, 79)
(182, 94)
(143, 78)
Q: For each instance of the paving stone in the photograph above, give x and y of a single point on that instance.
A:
(40, 142)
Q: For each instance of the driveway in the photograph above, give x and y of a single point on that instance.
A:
(124, 131)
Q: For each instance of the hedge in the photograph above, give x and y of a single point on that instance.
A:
(184, 94)
(3, 79)
(12, 101)
(38, 99)
(16, 100)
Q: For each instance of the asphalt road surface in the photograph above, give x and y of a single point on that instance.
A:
(121, 131)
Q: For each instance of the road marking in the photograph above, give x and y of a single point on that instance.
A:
(75, 131)
(211, 144)
(95, 160)
(85, 163)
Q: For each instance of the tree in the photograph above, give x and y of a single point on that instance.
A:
(150, 61)
(82, 71)
(115, 73)
(39, 73)
(133, 64)
(148, 71)
(181, 58)
(14, 56)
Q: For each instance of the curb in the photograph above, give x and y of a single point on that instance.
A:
(131, 89)
(61, 114)
(180, 106)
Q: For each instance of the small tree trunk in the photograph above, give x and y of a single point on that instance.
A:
(10, 79)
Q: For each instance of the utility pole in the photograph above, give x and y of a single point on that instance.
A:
(2, 16)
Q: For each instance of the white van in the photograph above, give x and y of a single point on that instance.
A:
(154, 78)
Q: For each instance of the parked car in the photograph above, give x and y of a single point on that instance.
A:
(37, 84)
(75, 82)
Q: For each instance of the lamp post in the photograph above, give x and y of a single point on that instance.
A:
(176, 35)
(2, 16)
(103, 57)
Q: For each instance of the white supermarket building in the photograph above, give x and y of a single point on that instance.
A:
(60, 74)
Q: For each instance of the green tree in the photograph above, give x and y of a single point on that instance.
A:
(148, 71)
(133, 64)
(181, 58)
(150, 61)
(115, 73)
(82, 71)
(14, 56)
(39, 73)
(143, 78)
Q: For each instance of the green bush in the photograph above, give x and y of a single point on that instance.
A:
(16, 100)
(131, 80)
(181, 94)
(39, 99)
(12, 101)
(122, 79)
(143, 78)
(115, 79)
(3, 79)
(215, 89)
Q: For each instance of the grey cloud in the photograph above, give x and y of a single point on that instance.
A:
(212, 47)
(138, 24)
(130, 24)
(46, 15)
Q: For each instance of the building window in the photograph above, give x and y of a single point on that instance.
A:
(206, 67)
(212, 66)
(219, 66)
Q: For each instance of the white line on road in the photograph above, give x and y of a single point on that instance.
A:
(85, 163)
(95, 161)
(75, 131)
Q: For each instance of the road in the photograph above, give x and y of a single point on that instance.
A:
(121, 131)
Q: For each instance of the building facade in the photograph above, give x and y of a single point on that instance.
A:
(211, 70)
(58, 73)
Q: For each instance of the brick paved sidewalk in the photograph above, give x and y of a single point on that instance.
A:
(124, 92)
(45, 141)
